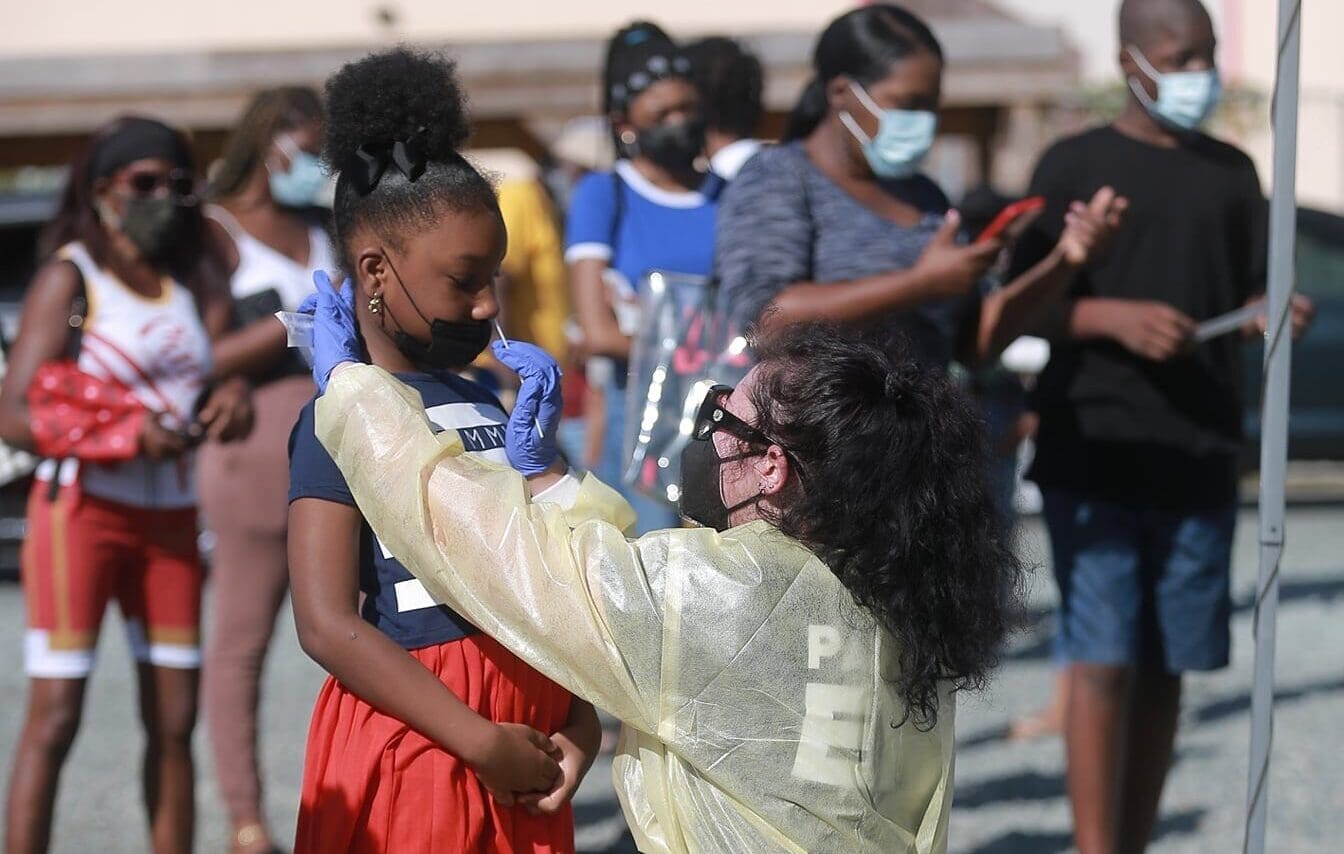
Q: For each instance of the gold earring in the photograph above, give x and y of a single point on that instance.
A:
(375, 303)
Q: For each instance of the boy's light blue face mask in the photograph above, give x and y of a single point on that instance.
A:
(903, 138)
(301, 184)
(1185, 99)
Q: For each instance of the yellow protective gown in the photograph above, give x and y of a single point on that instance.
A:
(750, 684)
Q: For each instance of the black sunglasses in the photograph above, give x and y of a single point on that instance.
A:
(179, 182)
(712, 417)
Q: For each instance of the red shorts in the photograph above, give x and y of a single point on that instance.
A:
(79, 553)
(373, 784)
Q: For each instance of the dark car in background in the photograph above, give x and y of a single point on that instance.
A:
(22, 216)
(1316, 397)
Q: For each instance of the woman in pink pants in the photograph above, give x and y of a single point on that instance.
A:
(273, 239)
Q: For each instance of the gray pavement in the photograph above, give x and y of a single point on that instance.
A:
(1009, 796)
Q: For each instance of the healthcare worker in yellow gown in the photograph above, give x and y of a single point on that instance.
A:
(785, 673)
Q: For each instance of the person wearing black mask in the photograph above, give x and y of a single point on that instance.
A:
(420, 237)
(654, 211)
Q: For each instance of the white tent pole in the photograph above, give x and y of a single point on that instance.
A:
(1274, 414)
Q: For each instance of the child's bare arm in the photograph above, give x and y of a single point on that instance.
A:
(324, 583)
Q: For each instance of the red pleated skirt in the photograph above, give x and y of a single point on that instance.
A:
(373, 784)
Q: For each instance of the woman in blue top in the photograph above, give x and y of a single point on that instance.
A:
(654, 211)
(838, 224)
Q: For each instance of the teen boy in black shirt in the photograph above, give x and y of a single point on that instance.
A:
(1140, 427)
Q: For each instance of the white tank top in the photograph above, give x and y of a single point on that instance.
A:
(157, 347)
(262, 268)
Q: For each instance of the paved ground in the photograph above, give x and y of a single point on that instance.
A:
(1009, 797)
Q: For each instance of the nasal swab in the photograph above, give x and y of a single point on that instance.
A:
(505, 341)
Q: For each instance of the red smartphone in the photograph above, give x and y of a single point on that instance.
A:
(1009, 215)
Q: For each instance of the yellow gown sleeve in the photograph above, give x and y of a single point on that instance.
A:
(559, 586)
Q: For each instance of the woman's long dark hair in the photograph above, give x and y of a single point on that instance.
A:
(861, 45)
(77, 219)
(271, 112)
(894, 500)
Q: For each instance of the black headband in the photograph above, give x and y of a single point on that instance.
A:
(640, 57)
(138, 139)
(657, 68)
(372, 160)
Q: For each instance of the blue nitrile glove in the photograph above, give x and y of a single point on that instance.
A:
(531, 438)
(335, 332)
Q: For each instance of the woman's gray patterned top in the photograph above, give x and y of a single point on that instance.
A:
(782, 221)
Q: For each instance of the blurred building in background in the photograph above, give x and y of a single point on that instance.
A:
(529, 65)
(1021, 72)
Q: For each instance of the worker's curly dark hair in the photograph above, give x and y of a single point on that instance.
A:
(400, 95)
(893, 498)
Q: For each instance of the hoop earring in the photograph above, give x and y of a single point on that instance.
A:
(375, 304)
(629, 143)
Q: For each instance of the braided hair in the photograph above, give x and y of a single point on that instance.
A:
(395, 123)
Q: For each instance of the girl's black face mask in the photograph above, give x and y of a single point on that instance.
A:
(452, 343)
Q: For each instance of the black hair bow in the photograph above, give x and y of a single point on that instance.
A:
(370, 162)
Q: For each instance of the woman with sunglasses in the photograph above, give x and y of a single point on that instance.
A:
(274, 239)
(116, 327)
(786, 672)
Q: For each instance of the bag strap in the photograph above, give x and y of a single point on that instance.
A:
(79, 312)
(74, 342)
(618, 209)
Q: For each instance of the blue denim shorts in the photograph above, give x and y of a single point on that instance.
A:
(1141, 585)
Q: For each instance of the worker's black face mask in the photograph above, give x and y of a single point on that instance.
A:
(701, 498)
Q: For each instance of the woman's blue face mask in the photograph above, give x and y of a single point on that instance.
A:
(301, 184)
(1185, 99)
(903, 137)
